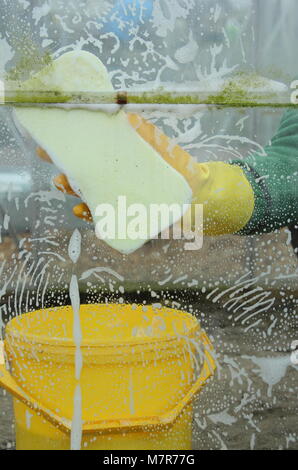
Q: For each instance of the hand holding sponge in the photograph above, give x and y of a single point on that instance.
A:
(175, 176)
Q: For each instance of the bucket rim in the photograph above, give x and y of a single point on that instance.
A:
(14, 336)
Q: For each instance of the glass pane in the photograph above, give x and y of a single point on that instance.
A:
(214, 77)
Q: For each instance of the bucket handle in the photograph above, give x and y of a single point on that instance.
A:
(167, 418)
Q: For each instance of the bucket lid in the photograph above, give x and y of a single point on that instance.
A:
(105, 327)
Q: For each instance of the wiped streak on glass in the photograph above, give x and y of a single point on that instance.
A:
(74, 250)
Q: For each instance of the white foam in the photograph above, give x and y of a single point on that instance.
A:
(74, 247)
(77, 422)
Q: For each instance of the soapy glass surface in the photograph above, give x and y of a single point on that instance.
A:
(253, 401)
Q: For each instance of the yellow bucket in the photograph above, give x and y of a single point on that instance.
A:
(142, 365)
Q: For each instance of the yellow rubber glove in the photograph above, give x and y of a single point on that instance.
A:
(223, 189)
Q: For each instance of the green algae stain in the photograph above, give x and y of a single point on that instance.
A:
(26, 65)
(36, 88)
(25, 82)
(161, 98)
(37, 97)
(232, 92)
(237, 91)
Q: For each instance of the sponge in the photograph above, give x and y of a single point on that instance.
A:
(103, 156)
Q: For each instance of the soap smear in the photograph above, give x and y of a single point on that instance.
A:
(101, 153)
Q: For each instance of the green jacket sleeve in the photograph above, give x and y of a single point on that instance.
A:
(274, 178)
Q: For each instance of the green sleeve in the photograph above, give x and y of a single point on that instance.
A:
(274, 178)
